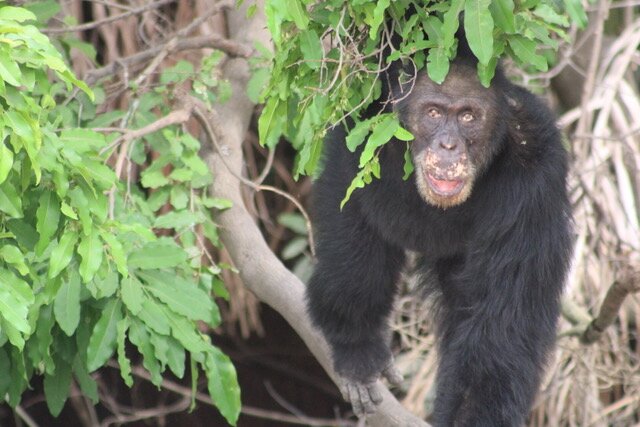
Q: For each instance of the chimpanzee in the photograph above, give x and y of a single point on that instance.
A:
(488, 213)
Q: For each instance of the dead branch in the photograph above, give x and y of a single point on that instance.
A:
(231, 48)
(260, 269)
(95, 24)
(628, 282)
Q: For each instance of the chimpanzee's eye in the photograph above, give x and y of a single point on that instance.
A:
(434, 113)
(467, 117)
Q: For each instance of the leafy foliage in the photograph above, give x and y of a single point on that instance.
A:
(81, 270)
(329, 54)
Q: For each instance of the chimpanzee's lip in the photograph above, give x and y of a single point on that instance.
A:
(445, 187)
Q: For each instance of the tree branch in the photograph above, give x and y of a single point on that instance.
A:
(212, 41)
(260, 269)
(628, 282)
(94, 24)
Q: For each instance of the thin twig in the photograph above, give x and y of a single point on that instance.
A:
(209, 123)
(95, 24)
(213, 41)
(22, 414)
(246, 410)
(145, 414)
(267, 167)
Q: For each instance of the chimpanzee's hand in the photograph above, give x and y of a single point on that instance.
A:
(365, 396)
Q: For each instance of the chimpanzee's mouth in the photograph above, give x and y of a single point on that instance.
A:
(445, 187)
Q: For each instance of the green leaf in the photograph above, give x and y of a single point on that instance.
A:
(298, 14)
(179, 197)
(217, 203)
(56, 387)
(311, 48)
(222, 384)
(132, 295)
(525, 51)
(62, 253)
(271, 122)
(219, 289)
(48, 215)
(107, 286)
(14, 312)
(153, 178)
(403, 135)
(139, 336)
(550, 16)
(103, 339)
(91, 251)
(164, 253)
(187, 333)
(576, 11)
(294, 248)
(9, 70)
(10, 202)
(408, 166)
(18, 14)
(80, 202)
(6, 161)
(180, 295)
(154, 317)
(502, 12)
(123, 360)
(20, 123)
(478, 25)
(294, 222)
(12, 255)
(5, 366)
(357, 182)
(382, 132)
(82, 140)
(437, 64)
(486, 72)
(358, 133)
(117, 252)
(66, 306)
(378, 17)
(175, 357)
(87, 384)
(451, 23)
(16, 338)
(16, 286)
(101, 174)
(179, 219)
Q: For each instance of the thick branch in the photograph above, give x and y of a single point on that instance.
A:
(628, 282)
(259, 268)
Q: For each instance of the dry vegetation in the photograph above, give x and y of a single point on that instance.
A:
(588, 383)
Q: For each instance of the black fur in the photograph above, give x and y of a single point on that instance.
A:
(500, 259)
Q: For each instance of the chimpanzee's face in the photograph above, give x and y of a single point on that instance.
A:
(455, 131)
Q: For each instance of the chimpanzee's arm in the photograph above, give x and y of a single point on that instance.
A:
(350, 294)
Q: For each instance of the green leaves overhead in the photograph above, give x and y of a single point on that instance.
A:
(325, 72)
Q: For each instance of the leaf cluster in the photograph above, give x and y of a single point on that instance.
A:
(82, 269)
(330, 54)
